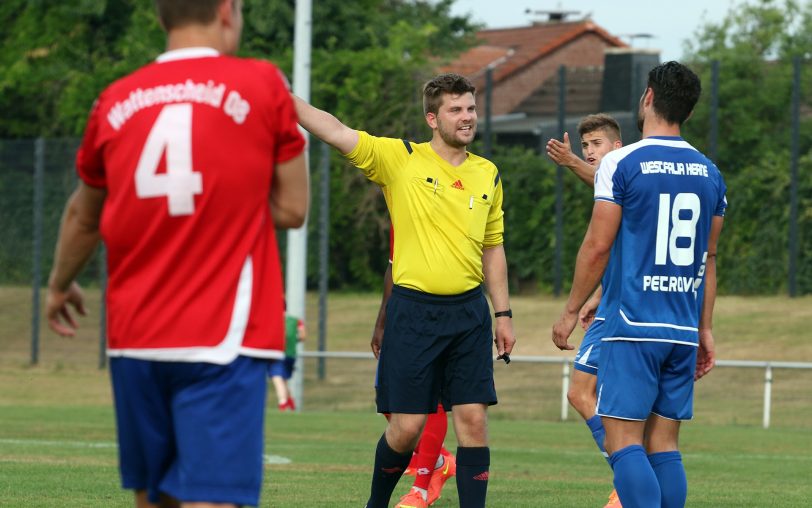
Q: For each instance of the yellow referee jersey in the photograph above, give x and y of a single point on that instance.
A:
(443, 215)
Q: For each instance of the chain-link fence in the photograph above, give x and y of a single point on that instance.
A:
(766, 247)
(36, 178)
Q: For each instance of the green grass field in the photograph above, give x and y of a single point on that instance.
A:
(64, 456)
(57, 436)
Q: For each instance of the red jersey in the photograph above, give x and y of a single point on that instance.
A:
(186, 148)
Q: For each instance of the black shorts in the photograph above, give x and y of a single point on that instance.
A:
(435, 348)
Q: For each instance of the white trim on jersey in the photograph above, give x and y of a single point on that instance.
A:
(585, 357)
(606, 171)
(223, 353)
(657, 325)
(622, 417)
(270, 354)
(650, 339)
(673, 419)
(184, 53)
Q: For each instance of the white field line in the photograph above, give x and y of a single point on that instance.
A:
(278, 459)
(66, 444)
(686, 455)
(267, 459)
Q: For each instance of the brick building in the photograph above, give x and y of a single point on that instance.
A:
(602, 74)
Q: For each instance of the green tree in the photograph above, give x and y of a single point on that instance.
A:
(57, 56)
(755, 45)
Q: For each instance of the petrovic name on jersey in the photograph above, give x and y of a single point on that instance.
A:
(674, 168)
(209, 93)
(675, 284)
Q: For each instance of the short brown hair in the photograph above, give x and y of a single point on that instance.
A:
(178, 13)
(600, 121)
(444, 83)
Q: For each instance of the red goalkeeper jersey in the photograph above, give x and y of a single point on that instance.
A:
(186, 148)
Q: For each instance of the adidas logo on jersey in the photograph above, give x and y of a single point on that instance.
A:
(458, 185)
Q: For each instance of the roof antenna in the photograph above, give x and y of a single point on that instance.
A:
(553, 16)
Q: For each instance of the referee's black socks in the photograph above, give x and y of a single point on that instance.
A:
(389, 467)
(473, 465)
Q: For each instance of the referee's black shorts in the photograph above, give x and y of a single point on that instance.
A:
(435, 349)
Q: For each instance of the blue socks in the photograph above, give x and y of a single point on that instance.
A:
(598, 434)
(473, 464)
(635, 481)
(671, 475)
(389, 467)
(656, 480)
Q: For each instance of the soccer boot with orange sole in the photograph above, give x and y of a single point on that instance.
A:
(413, 499)
(614, 501)
(440, 476)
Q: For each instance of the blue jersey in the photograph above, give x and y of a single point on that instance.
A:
(669, 192)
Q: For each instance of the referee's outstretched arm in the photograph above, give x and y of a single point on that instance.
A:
(325, 126)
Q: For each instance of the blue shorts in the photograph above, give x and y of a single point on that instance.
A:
(282, 368)
(193, 431)
(637, 379)
(589, 352)
(435, 348)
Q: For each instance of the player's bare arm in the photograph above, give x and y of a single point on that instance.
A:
(589, 267)
(561, 153)
(325, 126)
(78, 238)
(380, 322)
(494, 268)
(290, 193)
(706, 355)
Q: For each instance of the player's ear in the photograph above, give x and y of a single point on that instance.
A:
(648, 97)
(431, 119)
(617, 144)
(225, 11)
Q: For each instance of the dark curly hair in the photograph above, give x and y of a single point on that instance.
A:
(676, 90)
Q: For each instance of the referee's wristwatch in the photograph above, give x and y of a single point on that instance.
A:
(504, 313)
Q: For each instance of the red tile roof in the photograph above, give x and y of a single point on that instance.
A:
(522, 46)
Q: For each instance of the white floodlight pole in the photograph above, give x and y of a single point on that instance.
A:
(296, 272)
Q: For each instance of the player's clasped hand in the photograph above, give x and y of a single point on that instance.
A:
(562, 330)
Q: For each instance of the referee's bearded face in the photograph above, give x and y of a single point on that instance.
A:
(456, 120)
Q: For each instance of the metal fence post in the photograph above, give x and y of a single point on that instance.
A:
(768, 391)
(102, 267)
(793, 180)
(324, 253)
(36, 269)
(559, 185)
(565, 387)
(488, 135)
(714, 112)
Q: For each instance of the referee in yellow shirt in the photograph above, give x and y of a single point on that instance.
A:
(446, 205)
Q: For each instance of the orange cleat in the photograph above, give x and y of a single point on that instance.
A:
(614, 501)
(440, 476)
(413, 499)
